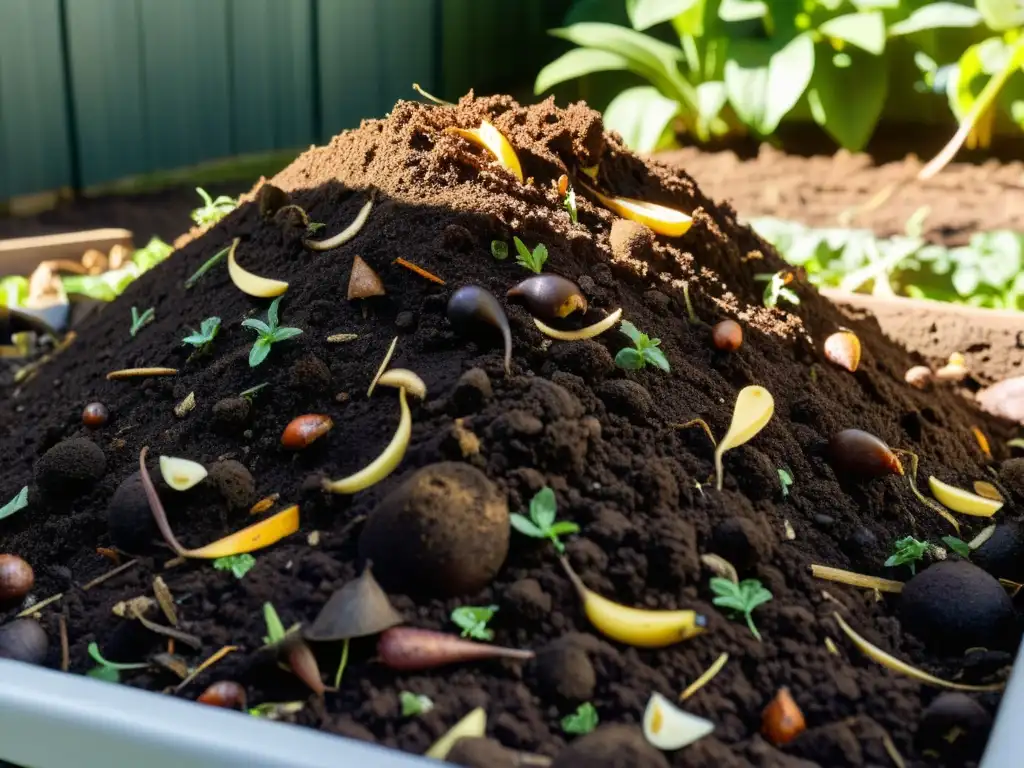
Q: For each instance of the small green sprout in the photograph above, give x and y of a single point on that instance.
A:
(776, 288)
(239, 565)
(414, 704)
(532, 261)
(907, 551)
(743, 597)
(275, 710)
(473, 621)
(139, 321)
(644, 351)
(18, 503)
(207, 265)
(269, 333)
(212, 210)
(582, 721)
(251, 392)
(785, 480)
(109, 670)
(541, 524)
(569, 203)
(207, 332)
(275, 629)
(499, 249)
(959, 546)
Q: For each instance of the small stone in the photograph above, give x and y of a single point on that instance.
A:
(456, 237)
(864, 540)
(311, 374)
(625, 397)
(824, 521)
(235, 484)
(472, 390)
(564, 672)
(528, 599)
(405, 321)
(586, 358)
(231, 412)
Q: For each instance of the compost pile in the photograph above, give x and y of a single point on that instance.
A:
(607, 441)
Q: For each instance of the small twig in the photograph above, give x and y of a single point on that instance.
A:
(340, 338)
(182, 637)
(109, 575)
(40, 605)
(419, 271)
(416, 87)
(65, 651)
(690, 311)
(206, 665)
(140, 373)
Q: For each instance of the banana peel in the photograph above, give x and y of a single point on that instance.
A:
(754, 409)
(634, 626)
(661, 219)
(247, 282)
(964, 502)
(494, 141)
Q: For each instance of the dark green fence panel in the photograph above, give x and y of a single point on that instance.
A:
(34, 147)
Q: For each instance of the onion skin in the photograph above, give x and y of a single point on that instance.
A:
(549, 297)
(224, 693)
(410, 649)
(16, 578)
(471, 305)
(861, 453)
(303, 430)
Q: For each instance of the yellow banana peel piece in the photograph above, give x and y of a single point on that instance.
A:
(346, 234)
(403, 378)
(254, 285)
(254, 537)
(754, 408)
(660, 218)
(494, 141)
(583, 333)
(472, 726)
(385, 463)
(634, 626)
(964, 502)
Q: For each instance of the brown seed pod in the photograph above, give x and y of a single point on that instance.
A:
(843, 349)
(16, 578)
(95, 415)
(861, 453)
(470, 306)
(563, 185)
(549, 297)
(727, 335)
(363, 282)
(224, 693)
(782, 721)
(303, 430)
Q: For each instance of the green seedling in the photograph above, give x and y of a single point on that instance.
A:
(251, 392)
(207, 332)
(212, 210)
(582, 721)
(239, 565)
(743, 598)
(959, 546)
(139, 321)
(414, 704)
(541, 523)
(644, 350)
(276, 710)
(776, 288)
(533, 261)
(499, 249)
(785, 480)
(18, 503)
(207, 265)
(472, 620)
(569, 203)
(907, 551)
(109, 670)
(275, 629)
(269, 333)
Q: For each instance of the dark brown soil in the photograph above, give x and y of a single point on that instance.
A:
(564, 417)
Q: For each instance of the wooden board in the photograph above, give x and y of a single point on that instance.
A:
(19, 256)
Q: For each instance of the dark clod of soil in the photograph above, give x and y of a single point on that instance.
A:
(955, 727)
(444, 531)
(69, 468)
(1002, 553)
(561, 416)
(481, 753)
(954, 605)
(24, 640)
(1011, 474)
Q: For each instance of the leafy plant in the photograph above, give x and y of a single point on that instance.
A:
(776, 289)
(207, 332)
(499, 249)
(275, 628)
(473, 621)
(582, 721)
(212, 210)
(18, 503)
(533, 261)
(239, 565)
(109, 670)
(785, 480)
(414, 704)
(140, 321)
(959, 546)
(269, 333)
(907, 551)
(569, 203)
(743, 597)
(644, 350)
(542, 524)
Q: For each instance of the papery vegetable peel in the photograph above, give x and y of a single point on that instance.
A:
(667, 727)
(346, 234)
(472, 726)
(661, 219)
(181, 474)
(494, 141)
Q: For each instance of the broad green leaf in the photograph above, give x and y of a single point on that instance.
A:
(976, 65)
(847, 101)
(631, 331)
(644, 14)
(563, 528)
(966, 279)
(876, 5)
(524, 526)
(642, 115)
(942, 15)
(257, 325)
(283, 334)
(258, 353)
(1011, 99)
(999, 257)
(865, 30)
(18, 503)
(629, 359)
(656, 358)
(730, 601)
(765, 82)
(543, 507)
(711, 98)
(577, 63)
(1001, 15)
(742, 10)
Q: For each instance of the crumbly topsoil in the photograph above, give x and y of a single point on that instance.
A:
(565, 417)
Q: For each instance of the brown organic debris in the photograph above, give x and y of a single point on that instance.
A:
(363, 283)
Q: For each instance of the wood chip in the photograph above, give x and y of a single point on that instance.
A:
(182, 409)
(166, 600)
(341, 338)
(140, 373)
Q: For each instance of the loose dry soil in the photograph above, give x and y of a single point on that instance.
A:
(564, 417)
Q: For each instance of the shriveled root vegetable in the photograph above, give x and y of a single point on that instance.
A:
(782, 721)
(411, 649)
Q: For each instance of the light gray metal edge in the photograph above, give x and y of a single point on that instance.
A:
(1006, 743)
(52, 719)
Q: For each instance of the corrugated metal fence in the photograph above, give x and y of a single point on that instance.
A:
(97, 90)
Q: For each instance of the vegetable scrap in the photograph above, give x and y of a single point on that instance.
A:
(705, 678)
(419, 271)
(494, 141)
(582, 721)
(668, 728)
(588, 332)
(346, 234)
(964, 502)
(660, 218)
(181, 474)
(782, 721)
(252, 284)
(473, 725)
(843, 349)
(140, 373)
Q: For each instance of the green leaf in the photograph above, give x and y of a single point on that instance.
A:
(540, 256)
(473, 620)
(1001, 15)
(283, 334)
(543, 507)
(258, 353)
(94, 652)
(275, 305)
(642, 115)
(577, 63)
(257, 325)
(847, 101)
(563, 528)
(582, 721)
(722, 586)
(413, 704)
(742, 10)
(525, 526)
(657, 358)
(521, 249)
(865, 30)
(940, 15)
(966, 279)
(957, 545)
(18, 503)
(764, 82)
(106, 674)
(644, 14)
(734, 602)
(975, 67)
(239, 565)
(275, 629)
(785, 480)
(630, 359)
(631, 331)
(499, 249)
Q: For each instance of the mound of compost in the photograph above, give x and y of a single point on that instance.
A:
(606, 440)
